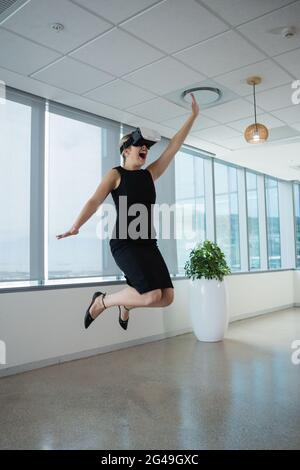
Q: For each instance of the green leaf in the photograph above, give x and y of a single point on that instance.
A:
(206, 260)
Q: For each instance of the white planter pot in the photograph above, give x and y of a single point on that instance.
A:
(208, 309)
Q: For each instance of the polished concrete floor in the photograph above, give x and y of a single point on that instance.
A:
(178, 393)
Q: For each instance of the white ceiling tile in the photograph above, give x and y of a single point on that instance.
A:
(175, 24)
(35, 18)
(268, 158)
(296, 125)
(201, 122)
(231, 111)
(271, 74)
(98, 108)
(23, 56)
(120, 94)
(138, 121)
(240, 11)
(73, 76)
(282, 133)
(290, 61)
(206, 146)
(116, 10)
(221, 54)
(217, 134)
(290, 114)
(164, 76)
(275, 98)
(157, 110)
(30, 85)
(263, 118)
(117, 53)
(265, 31)
(235, 143)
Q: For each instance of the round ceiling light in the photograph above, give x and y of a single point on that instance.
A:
(204, 95)
(256, 133)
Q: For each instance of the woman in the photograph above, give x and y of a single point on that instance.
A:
(147, 276)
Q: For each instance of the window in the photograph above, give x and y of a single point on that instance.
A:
(287, 224)
(190, 204)
(273, 224)
(297, 221)
(253, 221)
(227, 215)
(78, 159)
(15, 157)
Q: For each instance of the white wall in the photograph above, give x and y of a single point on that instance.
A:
(46, 327)
(254, 294)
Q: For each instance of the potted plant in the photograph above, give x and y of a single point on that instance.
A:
(206, 269)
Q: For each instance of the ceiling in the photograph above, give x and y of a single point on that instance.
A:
(129, 61)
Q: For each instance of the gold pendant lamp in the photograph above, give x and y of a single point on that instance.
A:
(255, 133)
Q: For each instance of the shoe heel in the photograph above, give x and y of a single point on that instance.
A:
(123, 323)
(88, 319)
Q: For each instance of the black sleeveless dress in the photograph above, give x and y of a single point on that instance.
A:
(137, 256)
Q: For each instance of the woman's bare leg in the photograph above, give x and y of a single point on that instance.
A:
(166, 298)
(127, 296)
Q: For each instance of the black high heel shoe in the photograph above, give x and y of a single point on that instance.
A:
(123, 323)
(88, 319)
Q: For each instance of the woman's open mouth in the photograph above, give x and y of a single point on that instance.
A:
(142, 155)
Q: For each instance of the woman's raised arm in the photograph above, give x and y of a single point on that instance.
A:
(160, 164)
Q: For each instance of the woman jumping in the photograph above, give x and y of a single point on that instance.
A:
(146, 273)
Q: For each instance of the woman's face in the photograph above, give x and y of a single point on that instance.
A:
(136, 155)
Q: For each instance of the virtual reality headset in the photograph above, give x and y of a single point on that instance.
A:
(141, 136)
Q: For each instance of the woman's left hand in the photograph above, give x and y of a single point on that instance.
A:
(195, 106)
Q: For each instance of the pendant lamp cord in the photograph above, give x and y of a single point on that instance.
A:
(254, 105)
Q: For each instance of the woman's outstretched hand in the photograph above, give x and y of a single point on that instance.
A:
(195, 106)
(72, 231)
